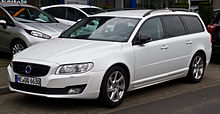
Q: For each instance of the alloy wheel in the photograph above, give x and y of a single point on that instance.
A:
(17, 48)
(116, 86)
(198, 67)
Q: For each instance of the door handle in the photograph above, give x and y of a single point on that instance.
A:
(189, 42)
(164, 47)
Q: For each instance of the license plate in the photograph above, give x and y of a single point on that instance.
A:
(28, 80)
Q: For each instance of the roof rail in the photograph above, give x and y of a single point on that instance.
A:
(168, 9)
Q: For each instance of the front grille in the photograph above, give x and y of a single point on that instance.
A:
(43, 90)
(36, 69)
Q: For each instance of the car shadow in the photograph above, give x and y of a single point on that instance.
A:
(85, 106)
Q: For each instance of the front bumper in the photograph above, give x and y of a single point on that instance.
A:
(57, 86)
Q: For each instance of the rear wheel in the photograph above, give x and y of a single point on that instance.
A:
(196, 69)
(17, 46)
(114, 87)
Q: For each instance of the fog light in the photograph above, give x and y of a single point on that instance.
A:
(76, 89)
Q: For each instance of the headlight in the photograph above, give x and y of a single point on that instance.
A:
(38, 34)
(74, 68)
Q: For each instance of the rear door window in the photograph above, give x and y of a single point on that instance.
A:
(193, 24)
(59, 12)
(173, 26)
(74, 14)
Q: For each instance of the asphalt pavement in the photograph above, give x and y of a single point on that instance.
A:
(5, 59)
(205, 101)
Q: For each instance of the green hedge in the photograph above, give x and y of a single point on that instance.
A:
(184, 5)
(206, 12)
(106, 7)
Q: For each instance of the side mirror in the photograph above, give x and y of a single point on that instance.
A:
(3, 23)
(143, 39)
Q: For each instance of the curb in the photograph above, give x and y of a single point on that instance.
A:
(4, 90)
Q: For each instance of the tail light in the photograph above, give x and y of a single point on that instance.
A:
(211, 28)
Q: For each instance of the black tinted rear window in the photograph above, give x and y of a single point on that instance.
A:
(59, 12)
(193, 24)
(173, 26)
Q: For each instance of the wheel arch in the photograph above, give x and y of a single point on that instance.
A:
(203, 53)
(13, 41)
(16, 39)
(125, 67)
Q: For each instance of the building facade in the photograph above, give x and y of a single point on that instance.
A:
(149, 4)
(216, 4)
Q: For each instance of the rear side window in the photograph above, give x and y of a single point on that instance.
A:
(59, 12)
(74, 14)
(193, 24)
(173, 26)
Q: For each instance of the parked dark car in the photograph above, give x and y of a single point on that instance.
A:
(214, 29)
(216, 11)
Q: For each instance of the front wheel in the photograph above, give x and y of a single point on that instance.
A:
(17, 46)
(114, 87)
(196, 69)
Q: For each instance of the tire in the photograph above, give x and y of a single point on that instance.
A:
(17, 46)
(196, 68)
(114, 87)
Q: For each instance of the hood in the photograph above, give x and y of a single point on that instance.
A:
(52, 29)
(67, 51)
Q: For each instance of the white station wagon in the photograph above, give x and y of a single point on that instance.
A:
(106, 55)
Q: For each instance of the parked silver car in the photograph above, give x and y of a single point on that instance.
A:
(23, 25)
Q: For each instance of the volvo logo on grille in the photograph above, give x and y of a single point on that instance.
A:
(28, 69)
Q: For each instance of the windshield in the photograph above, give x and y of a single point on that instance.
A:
(29, 15)
(92, 11)
(102, 28)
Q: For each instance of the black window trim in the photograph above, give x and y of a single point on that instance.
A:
(165, 31)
